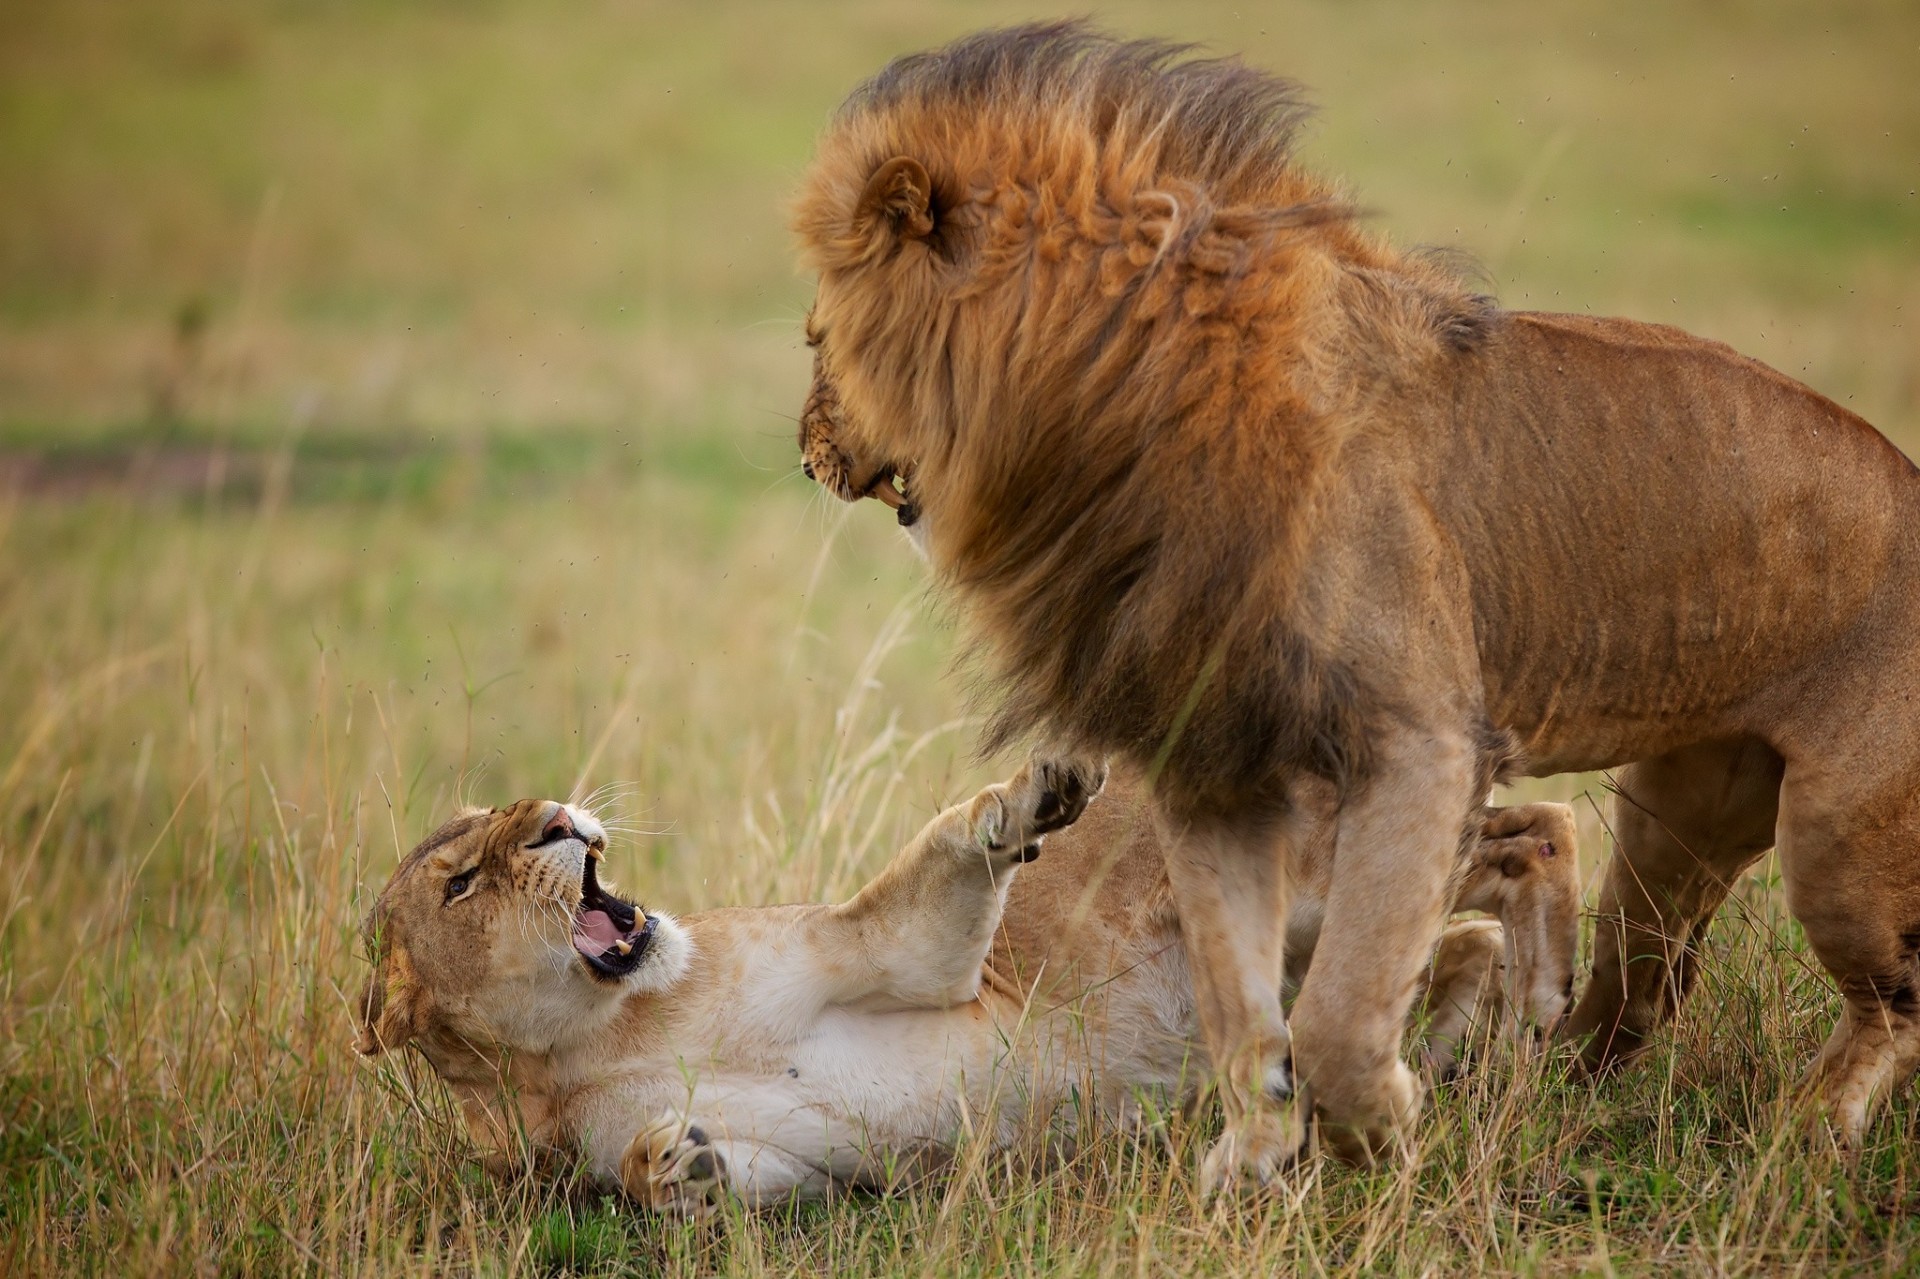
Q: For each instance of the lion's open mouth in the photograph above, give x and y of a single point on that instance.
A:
(611, 935)
(883, 488)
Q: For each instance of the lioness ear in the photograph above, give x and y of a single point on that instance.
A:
(387, 1007)
(900, 192)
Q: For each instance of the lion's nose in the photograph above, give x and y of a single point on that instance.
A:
(806, 468)
(561, 827)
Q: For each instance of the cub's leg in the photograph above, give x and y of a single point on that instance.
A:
(1852, 870)
(1395, 856)
(1229, 890)
(1525, 871)
(1688, 823)
(916, 936)
(1462, 1001)
(671, 1167)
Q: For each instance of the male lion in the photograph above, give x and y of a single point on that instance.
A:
(793, 1050)
(1231, 488)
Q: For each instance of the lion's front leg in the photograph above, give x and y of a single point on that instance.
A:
(918, 934)
(1229, 888)
(1396, 849)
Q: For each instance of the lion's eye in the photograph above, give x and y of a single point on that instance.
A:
(459, 886)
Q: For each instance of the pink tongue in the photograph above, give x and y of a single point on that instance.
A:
(594, 933)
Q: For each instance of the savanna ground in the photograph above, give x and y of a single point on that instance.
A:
(394, 406)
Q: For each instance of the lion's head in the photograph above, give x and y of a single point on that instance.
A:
(1077, 287)
(497, 934)
(827, 459)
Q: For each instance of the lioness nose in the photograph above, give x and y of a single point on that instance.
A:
(561, 827)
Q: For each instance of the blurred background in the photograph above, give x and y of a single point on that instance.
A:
(396, 405)
(353, 329)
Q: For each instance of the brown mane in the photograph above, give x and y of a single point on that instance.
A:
(1123, 322)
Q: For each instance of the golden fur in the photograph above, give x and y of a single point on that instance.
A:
(796, 1050)
(1236, 490)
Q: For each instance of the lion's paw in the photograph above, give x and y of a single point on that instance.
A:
(671, 1167)
(1255, 1149)
(1011, 819)
(1383, 1123)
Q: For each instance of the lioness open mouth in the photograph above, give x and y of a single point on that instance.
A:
(610, 935)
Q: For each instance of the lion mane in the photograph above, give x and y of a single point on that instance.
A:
(1130, 330)
(1230, 487)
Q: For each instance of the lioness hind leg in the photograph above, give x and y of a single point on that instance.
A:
(1852, 871)
(1524, 870)
(1687, 824)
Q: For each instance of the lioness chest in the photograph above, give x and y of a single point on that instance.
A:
(854, 1096)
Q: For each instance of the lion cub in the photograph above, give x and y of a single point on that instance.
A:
(801, 1050)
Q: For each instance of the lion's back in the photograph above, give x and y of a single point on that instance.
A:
(1635, 502)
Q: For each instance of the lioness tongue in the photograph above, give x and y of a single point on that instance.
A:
(594, 933)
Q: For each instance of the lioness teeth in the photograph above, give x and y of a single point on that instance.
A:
(625, 948)
(596, 853)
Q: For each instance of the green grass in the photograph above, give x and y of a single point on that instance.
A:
(395, 405)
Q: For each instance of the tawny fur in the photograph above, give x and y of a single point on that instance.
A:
(1231, 487)
(801, 1050)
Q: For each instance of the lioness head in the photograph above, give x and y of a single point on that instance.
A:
(497, 934)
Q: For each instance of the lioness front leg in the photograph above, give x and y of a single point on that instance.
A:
(1399, 839)
(671, 1167)
(919, 932)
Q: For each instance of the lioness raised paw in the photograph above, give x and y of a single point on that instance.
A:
(671, 1167)
(1009, 820)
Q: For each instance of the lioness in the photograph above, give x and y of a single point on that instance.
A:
(793, 1050)
(1228, 486)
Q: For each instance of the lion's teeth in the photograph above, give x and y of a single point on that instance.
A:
(595, 853)
(625, 948)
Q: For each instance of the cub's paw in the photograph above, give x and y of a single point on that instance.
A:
(1046, 795)
(671, 1167)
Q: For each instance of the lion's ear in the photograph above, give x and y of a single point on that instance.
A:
(900, 195)
(388, 1005)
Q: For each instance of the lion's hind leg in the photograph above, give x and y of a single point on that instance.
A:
(1687, 824)
(1852, 872)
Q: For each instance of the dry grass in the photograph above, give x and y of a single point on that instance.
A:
(475, 480)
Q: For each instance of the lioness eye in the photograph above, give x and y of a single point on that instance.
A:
(457, 886)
